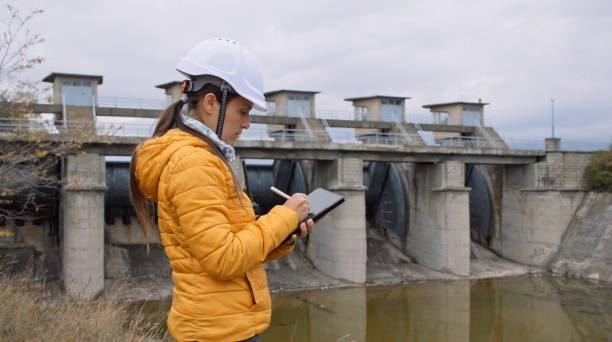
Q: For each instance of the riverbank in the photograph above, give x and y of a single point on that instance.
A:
(387, 266)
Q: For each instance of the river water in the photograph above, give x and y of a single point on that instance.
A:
(528, 308)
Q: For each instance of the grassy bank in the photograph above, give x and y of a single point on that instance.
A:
(28, 312)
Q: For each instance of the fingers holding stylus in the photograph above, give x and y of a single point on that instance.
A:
(299, 203)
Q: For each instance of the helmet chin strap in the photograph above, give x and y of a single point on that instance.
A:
(224, 89)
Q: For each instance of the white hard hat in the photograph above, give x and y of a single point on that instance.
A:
(229, 61)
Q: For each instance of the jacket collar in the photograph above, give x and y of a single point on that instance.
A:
(228, 150)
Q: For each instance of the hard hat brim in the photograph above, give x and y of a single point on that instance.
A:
(192, 70)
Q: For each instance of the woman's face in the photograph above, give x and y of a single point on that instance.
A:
(236, 116)
(236, 119)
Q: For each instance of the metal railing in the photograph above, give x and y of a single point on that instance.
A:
(19, 125)
(389, 139)
(118, 102)
(132, 103)
(58, 127)
(421, 118)
(475, 142)
(130, 129)
(331, 114)
(137, 129)
(302, 135)
(127, 129)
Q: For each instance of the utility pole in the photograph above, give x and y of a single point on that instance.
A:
(552, 110)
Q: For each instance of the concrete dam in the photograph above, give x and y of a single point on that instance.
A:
(433, 188)
(431, 209)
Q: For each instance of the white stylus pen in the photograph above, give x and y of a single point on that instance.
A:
(280, 193)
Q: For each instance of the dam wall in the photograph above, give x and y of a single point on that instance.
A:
(534, 197)
(538, 202)
(586, 247)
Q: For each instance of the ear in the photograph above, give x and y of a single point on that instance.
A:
(209, 102)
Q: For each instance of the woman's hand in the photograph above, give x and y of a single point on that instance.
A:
(299, 203)
(306, 229)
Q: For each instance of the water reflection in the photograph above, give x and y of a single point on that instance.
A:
(510, 309)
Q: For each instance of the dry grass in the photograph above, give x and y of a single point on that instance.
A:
(29, 313)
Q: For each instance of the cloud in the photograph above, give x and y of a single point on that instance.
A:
(516, 55)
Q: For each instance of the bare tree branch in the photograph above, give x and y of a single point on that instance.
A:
(28, 162)
(15, 44)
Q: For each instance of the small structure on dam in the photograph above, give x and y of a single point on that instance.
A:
(434, 186)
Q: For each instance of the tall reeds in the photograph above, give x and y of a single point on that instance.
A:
(29, 313)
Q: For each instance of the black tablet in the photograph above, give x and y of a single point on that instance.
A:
(321, 202)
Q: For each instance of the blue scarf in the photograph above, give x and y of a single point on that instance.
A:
(228, 150)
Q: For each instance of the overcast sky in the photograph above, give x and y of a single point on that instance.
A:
(515, 55)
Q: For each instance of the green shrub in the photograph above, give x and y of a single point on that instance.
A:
(599, 172)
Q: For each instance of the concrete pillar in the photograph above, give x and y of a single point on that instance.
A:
(553, 144)
(440, 238)
(81, 121)
(338, 245)
(83, 226)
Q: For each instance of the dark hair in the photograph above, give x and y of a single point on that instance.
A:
(171, 118)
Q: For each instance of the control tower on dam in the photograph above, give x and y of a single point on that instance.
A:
(434, 184)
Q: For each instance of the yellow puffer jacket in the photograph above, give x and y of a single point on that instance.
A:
(216, 248)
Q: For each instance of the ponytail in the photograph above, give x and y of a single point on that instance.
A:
(171, 118)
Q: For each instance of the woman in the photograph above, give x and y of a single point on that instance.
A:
(215, 243)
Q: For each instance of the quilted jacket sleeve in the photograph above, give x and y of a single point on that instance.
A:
(279, 252)
(198, 190)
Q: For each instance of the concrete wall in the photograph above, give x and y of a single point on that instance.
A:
(586, 249)
(373, 108)
(362, 131)
(440, 237)
(533, 223)
(538, 203)
(454, 113)
(31, 248)
(563, 169)
(119, 233)
(313, 106)
(83, 225)
(454, 118)
(442, 135)
(490, 133)
(81, 115)
(57, 90)
(338, 246)
(281, 103)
